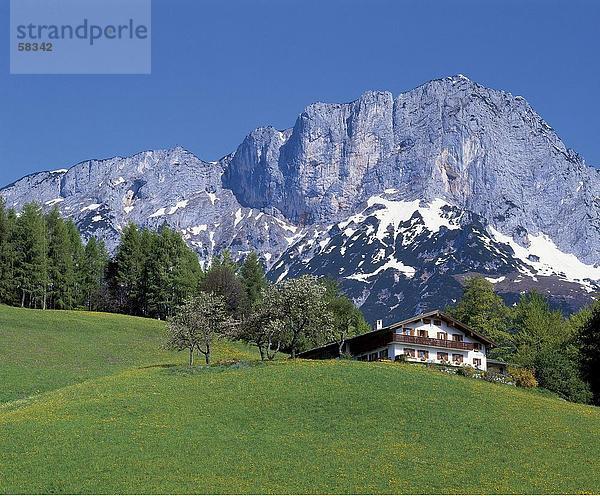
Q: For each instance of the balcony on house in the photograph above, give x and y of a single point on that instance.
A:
(438, 343)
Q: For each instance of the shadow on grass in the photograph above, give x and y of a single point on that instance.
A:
(217, 367)
(160, 366)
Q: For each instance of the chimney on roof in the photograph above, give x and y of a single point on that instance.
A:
(378, 324)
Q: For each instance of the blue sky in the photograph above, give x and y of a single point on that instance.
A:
(221, 68)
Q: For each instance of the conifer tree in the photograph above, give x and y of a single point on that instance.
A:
(148, 242)
(186, 274)
(61, 271)
(129, 270)
(221, 279)
(94, 270)
(537, 328)
(8, 254)
(78, 255)
(32, 261)
(589, 342)
(159, 265)
(252, 274)
(483, 310)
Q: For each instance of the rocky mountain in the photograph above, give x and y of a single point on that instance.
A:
(399, 198)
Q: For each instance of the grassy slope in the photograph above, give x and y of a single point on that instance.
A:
(304, 427)
(42, 351)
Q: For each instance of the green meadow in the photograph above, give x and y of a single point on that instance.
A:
(89, 403)
(43, 351)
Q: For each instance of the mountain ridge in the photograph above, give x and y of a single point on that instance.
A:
(518, 191)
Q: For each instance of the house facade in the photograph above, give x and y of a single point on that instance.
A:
(432, 337)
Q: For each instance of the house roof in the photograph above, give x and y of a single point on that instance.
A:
(496, 362)
(392, 327)
(444, 316)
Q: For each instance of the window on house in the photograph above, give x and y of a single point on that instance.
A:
(477, 362)
(372, 357)
(423, 354)
(383, 354)
(442, 335)
(476, 347)
(422, 333)
(457, 337)
(442, 357)
(457, 358)
(409, 352)
(426, 321)
(437, 322)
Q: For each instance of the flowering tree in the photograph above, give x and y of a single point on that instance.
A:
(300, 307)
(197, 323)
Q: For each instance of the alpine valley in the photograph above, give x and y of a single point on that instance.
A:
(397, 197)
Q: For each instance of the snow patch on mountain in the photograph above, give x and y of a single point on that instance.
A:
(545, 257)
(392, 264)
(392, 213)
(159, 213)
(91, 207)
(180, 204)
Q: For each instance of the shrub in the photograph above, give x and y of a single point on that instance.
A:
(400, 358)
(466, 371)
(523, 377)
(447, 369)
(559, 373)
(499, 378)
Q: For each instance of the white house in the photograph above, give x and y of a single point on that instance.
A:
(432, 337)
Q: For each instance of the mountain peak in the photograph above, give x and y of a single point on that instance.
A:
(480, 151)
(458, 78)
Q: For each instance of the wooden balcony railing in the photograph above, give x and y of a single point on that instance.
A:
(438, 343)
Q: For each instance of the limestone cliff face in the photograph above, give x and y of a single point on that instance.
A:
(480, 149)
(399, 197)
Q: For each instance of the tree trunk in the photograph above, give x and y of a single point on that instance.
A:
(191, 357)
(272, 353)
(207, 356)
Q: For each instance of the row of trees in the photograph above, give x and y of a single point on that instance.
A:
(289, 316)
(43, 262)
(151, 274)
(563, 352)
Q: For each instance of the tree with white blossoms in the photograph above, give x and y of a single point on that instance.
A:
(300, 308)
(263, 330)
(197, 323)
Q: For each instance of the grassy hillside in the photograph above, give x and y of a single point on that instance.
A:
(41, 351)
(302, 427)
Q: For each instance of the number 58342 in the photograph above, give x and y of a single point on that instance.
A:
(35, 47)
